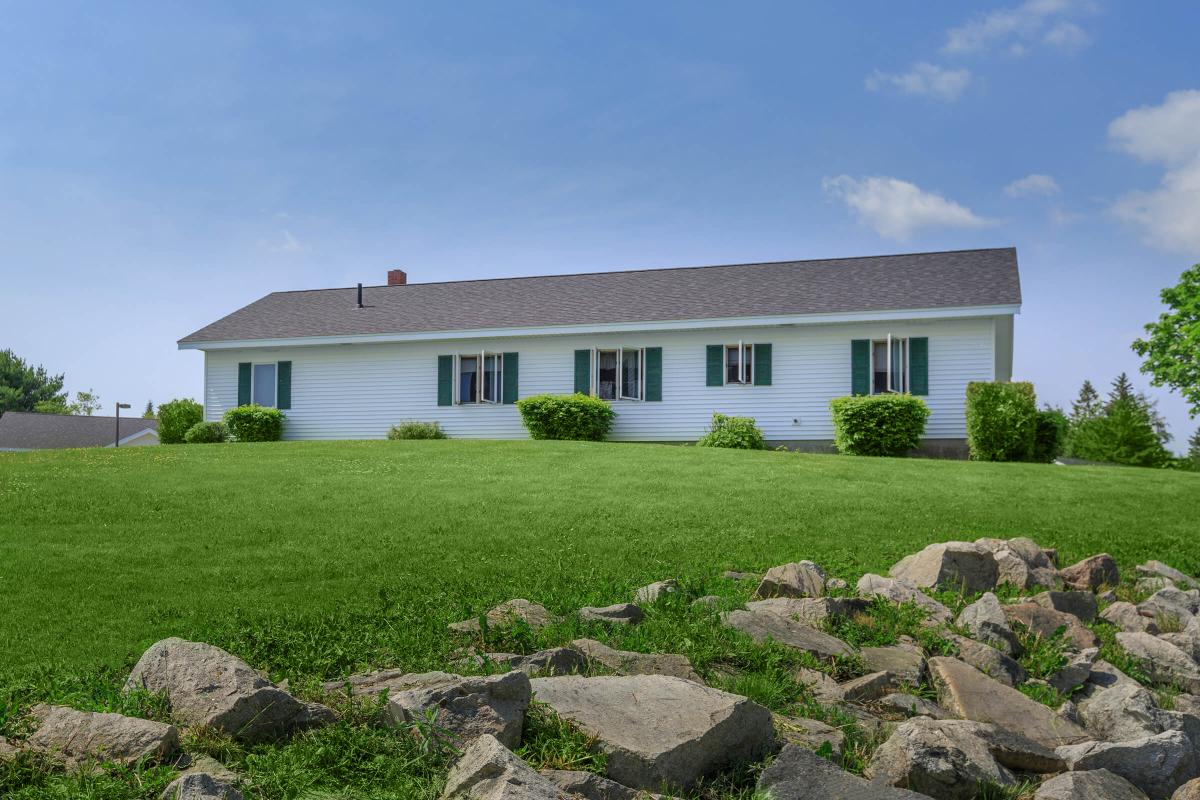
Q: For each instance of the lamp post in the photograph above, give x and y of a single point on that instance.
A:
(117, 440)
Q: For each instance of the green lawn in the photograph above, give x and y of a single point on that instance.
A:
(311, 560)
(106, 551)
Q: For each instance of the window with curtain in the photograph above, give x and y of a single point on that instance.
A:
(631, 374)
(889, 365)
(606, 374)
(468, 379)
(491, 378)
(619, 374)
(263, 388)
(739, 363)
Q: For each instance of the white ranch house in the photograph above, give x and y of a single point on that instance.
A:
(667, 347)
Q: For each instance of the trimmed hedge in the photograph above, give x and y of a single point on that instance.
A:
(879, 424)
(207, 433)
(412, 429)
(739, 433)
(176, 418)
(254, 423)
(570, 416)
(1001, 420)
(1050, 437)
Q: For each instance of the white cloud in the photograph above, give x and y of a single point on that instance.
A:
(896, 209)
(1034, 184)
(923, 80)
(1169, 135)
(1016, 28)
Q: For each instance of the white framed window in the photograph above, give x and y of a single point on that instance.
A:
(619, 374)
(889, 365)
(263, 384)
(478, 377)
(739, 363)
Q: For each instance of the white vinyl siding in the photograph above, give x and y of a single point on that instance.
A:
(358, 391)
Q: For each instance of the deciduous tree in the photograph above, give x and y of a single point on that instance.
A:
(1171, 348)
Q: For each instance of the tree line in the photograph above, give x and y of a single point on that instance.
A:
(24, 387)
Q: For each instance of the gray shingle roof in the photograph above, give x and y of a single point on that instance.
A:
(875, 283)
(21, 430)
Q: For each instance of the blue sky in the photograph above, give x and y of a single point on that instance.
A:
(162, 165)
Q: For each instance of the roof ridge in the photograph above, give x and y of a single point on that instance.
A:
(646, 269)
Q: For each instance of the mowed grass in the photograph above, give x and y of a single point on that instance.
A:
(103, 552)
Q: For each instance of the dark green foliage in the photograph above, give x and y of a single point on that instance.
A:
(22, 386)
(149, 412)
(1050, 440)
(1171, 349)
(1087, 404)
(550, 742)
(254, 423)
(1193, 453)
(878, 425)
(1001, 420)
(1126, 429)
(412, 429)
(738, 433)
(207, 433)
(571, 416)
(176, 418)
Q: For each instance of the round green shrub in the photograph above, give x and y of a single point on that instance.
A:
(412, 429)
(1050, 437)
(206, 433)
(739, 433)
(254, 423)
(570, 416)
(1001, 420)
(176, 418)
(879, 424)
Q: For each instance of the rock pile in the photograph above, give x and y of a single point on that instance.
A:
(946, 721)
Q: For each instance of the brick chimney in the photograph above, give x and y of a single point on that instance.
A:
(397, 277)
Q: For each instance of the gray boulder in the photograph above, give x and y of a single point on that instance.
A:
(1158, 765)
(810, 610)
(1096, 784)
(1157, 569)
(1170, 608)
(660, 731)
(967, 693)
(651, 592)
(619, 614)
(507, 614)
(207, 686)
(1075, 672)
(949, 759)
(487, 770)
(1046, 622)
(800, 774)
(1020, 562)
(762, 626)
(1077, 604)
(901, 591)
(984, 620)
(906, 662)
(627, 662)
(553, 661)
(810, 733)
(1128, 617)
(961, 566)
(73, 737)
(911, 706)
(201, 786)
(1128, 712)
(798, 579)
(1163, 661)
(1092, 574)
(870, 687)
(735, 575)
(824, 688)
(590, 786)
(989, 661)
(1189, 791)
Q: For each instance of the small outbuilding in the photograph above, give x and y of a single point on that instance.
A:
(22, 430)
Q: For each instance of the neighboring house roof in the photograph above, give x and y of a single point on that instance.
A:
(918, 281)
(21, 430)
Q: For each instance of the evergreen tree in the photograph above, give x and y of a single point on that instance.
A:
(149, 412)
(1122, 389)
(1087, 405)
(23, 386)
(1194, 449)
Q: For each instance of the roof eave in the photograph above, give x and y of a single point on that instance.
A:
(614, 327)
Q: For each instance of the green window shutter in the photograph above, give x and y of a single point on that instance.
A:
(244, 383)
(445, 380)
(860, 366)
(715, 365)
(283, 384)
(509, 393)
(583, 371)
(918, 365)
(653, 374)
(762, 365)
